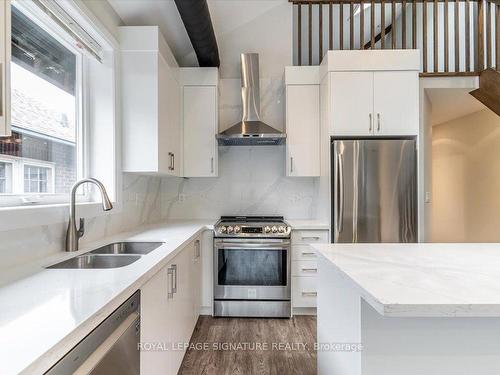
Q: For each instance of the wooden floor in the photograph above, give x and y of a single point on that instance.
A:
(259, 347)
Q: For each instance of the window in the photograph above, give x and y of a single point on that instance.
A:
(5, 177)
(46, 147)
(36, 179)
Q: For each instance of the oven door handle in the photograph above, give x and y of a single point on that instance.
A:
(250, 245)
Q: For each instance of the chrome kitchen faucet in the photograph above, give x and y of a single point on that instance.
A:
(73, 234)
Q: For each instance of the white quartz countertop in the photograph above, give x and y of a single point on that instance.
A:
(43, 316)
(308, 224)
(422, 280)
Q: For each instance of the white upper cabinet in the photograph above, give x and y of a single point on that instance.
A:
(352, 103)
(302, 121)
(395, 102)
(373, 93)
(152, 139)
(5, 45)
(200, 121)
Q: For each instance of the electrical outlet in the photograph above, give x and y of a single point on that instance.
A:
(427, 197)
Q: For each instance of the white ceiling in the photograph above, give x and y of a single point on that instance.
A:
(162, 13)
(229, 17)
(449, 104)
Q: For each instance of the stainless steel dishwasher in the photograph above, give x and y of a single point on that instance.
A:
(111, 348)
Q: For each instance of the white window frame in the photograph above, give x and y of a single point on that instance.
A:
(16, 199)
(102, 162)
(17, 178)
(51, 179)
(8, 175)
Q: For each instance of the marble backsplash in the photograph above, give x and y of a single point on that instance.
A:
(140, 205)
(251, 181)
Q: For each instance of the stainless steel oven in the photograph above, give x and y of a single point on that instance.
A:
(252, 269)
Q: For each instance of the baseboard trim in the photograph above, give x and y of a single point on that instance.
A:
(304, 311)
(206, 310)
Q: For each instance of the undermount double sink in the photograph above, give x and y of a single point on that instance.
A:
(114, 255)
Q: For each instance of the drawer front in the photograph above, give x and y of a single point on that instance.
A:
(309, 236)
(304, 291)
(303, 252)
(307, 268)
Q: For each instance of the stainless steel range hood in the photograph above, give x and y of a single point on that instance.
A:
(250, 131)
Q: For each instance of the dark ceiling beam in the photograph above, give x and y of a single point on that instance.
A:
(196, 18)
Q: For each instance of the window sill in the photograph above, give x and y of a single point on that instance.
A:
(12, 218)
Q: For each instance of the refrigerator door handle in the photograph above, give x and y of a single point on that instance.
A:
(340, 218)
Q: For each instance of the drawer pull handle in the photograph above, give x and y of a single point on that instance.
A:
(310, 294)
(308, 253)
(311, 238)
(309, 269)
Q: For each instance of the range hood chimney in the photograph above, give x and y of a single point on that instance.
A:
(250, 131)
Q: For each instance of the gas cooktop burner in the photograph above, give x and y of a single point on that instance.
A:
(252, 226)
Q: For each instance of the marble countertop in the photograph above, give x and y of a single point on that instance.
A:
(43, 316)
(308, 224)
(422, 280)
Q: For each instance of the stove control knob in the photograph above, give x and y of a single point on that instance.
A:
(281, 229)
(229, 229)
(267, 229)
(222, 229)
(274, 229)
(237, 229)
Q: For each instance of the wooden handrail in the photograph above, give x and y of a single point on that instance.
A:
(468, 27)
(325, 2)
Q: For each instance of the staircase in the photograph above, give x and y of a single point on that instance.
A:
(488, 92)
(455, 37)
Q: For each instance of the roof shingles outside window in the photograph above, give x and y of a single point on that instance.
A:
(54, 117)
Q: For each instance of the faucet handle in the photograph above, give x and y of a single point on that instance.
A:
(81, 228)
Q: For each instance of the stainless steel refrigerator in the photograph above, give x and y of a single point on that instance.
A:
(374, 190)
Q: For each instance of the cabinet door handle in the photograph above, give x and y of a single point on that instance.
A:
(378, 122)
(170, 167)
(371, 122)
(174, 284)
(212, 164)
(173, 161)
(309, 294)
(170, 283)
(307, 253)
(197, 249)
(311, 238)
(312, 270)
(291, 164)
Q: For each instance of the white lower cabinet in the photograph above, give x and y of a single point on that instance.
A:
(305, 291)
(170, 303)
(304, 267)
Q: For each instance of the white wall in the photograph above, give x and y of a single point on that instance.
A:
(425, 168)
(466, 182)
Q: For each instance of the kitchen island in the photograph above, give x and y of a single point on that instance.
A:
(408, 309)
